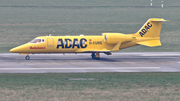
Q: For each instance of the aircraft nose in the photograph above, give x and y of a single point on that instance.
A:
(20, 49)
(14, 50)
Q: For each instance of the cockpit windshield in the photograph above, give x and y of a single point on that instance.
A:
(37, 41)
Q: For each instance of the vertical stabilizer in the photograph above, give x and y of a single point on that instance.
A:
(151, 28)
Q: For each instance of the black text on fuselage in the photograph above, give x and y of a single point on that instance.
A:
(71, 43)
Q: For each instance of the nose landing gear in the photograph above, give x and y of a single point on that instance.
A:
(27, 57)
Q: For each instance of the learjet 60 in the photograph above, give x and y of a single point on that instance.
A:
(148, 35)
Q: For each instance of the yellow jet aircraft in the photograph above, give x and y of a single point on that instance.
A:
(148, 35)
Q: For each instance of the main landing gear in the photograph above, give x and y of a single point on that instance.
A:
(95, 55)
(27, 57)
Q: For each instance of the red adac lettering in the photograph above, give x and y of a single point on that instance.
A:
(37, 47)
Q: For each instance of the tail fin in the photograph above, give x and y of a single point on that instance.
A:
(151, 28)
(149, 33)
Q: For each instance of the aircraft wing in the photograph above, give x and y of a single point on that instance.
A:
(115, 48)
(100, 51)
(107, 52)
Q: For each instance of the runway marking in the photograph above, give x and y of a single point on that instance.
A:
(79, 68)
(123, 62)
(160, 54)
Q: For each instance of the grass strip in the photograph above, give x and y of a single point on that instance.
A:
(90, 86)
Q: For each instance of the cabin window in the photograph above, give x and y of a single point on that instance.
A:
(83, 42)
(77, 42)
(37, 41)
(42, 40)
(65, 43)
(70, 43)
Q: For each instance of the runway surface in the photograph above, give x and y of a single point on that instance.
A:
(75, 63)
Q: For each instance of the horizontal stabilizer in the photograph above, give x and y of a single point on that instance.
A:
(158, 20)
(150, 43)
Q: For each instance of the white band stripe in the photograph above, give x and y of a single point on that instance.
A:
(108, 68)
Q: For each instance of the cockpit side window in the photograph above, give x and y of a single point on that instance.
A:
(42, 40)
(37, 41)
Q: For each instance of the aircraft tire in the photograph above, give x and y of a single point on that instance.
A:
(93, 56)
(97, 58)
(27, 57)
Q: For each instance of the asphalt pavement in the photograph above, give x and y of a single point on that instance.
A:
(82, 63)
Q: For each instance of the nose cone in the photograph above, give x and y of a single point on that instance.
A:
(20, 49)
(13, 50)
(16, 49)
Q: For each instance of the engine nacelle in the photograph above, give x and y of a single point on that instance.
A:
(114, 38)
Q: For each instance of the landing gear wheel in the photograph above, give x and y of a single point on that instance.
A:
(97, 58)
(94, 56)
(27, 57)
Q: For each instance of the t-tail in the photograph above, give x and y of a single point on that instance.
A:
(149, 33)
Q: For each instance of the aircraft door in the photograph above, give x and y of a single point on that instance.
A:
(50, 42)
